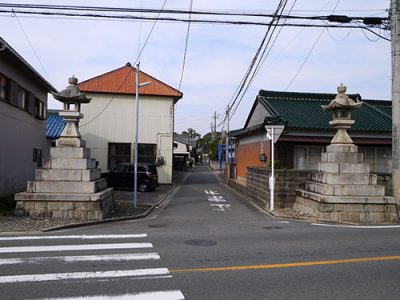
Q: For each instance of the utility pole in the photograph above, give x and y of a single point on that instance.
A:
(395, 37)
(227, 165)
(214, 126)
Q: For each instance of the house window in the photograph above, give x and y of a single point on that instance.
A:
(307, 157)
(147, 153)
(379, 158)
(118, 153)
(3, 87)
(39, 109)
(37, 157)
(22, 99)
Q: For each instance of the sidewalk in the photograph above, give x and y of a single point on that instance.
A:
(146, 202)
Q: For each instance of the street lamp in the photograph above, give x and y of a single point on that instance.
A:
(138, 85)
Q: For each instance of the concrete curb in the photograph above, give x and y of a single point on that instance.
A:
(126, 218)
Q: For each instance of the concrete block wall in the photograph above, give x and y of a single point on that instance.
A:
(257, 187)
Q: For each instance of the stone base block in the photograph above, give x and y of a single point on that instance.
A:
(69, 163)
(70, 142)
(358, 190)
(79, 206)
(71, 187)
(69, 152)
(341, 148)
(358, 210)
(67, 175)
(342, 157)
(344, 168)
(335, 178)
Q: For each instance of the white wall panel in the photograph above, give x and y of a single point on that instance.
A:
(114, 122)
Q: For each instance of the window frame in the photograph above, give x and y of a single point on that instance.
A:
(5, 87)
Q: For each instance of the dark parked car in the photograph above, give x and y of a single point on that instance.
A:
(122, 176)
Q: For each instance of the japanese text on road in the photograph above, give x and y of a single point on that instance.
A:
(217, 202)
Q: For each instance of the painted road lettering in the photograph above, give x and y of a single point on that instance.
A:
(217, 202)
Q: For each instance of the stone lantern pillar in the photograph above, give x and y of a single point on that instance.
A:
(69, 185)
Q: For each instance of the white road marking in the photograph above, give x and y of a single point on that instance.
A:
(82, 237)
(211, 192)
(216, 199)
(358, 226)
(75, 247)
(220, 207)
(82, 258)
(165, 295)
(139, 273)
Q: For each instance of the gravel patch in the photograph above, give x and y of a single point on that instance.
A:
(291, 213)
(29, 224)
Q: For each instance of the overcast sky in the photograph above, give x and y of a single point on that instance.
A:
(217, 55)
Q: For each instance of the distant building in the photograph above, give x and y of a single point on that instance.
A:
(23, 109)
(307, 131)
(181, 152)
(108, 125)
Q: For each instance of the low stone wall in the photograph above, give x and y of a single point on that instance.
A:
(256, 185)
(257, 188)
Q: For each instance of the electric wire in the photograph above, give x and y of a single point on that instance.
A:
(186, 45)
(151, 31)
(264, 43)
(137, 59)
(310, 51)
(31, 45)
(150, 10)
(262, 60)
(200, 21)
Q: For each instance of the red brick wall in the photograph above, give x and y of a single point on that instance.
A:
(247, 155)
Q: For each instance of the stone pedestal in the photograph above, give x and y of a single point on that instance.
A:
(68, 186)
(343, 190)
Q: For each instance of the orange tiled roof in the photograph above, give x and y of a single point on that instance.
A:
(123, 81)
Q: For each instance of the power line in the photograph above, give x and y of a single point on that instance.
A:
(31, 45)
(244, 84)
(151, 31)
(138, 57)
(372, 22)
(186, 45)
(151, 10)
(310, 51)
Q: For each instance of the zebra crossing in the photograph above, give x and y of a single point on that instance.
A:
(123, 266)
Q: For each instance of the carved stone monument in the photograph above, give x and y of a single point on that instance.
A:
(343, 190)
(69, 184)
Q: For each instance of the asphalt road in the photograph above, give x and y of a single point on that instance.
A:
(204, 243)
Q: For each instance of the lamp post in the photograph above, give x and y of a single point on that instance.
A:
(138, 85)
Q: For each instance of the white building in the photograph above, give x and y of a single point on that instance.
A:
(109, 120)
(23, 109)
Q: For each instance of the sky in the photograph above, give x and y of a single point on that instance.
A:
(217, 57)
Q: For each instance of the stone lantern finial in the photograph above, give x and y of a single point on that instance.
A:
(72, 98)
(341, 108)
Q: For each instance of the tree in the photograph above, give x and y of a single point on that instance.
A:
(191, 134)
(210, 146)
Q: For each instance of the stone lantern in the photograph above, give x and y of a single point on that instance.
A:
(69, 185)
(343, 189)
(341, 108)
(72, 98)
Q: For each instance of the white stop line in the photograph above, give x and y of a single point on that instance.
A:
(358, 226)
